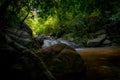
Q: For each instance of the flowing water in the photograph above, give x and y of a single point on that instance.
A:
(102, 63)
(50, 42)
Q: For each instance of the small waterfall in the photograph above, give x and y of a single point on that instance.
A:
(50, 42)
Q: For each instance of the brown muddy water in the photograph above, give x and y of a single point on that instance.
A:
(102, 63)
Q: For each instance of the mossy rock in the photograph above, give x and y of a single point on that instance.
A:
(63, 61)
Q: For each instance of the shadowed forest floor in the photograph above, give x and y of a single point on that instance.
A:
(102, 63)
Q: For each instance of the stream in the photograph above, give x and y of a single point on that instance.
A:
(50, 42)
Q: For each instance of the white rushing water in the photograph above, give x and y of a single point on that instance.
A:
(50, 42)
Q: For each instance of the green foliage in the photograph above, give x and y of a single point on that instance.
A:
(11, 18)
(60, 17)
(115, 17)
(113, 29)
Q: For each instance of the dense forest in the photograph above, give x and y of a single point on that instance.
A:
(74, 20)
(79, 21)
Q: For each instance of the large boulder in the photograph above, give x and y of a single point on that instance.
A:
(18, 62)
(22, 64)
(63, 62)
(23, 37)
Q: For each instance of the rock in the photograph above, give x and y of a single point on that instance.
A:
(24, 38)
(63, 62)
(20, 36)
(97, 41)
(70, 43)
(39, 39)
(22, 65)
(106, 43)
(17, 62)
